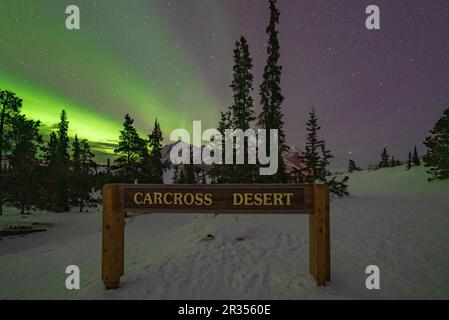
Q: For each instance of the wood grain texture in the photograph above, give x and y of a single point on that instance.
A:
(319, 236)
(113, 237)
(251, 199)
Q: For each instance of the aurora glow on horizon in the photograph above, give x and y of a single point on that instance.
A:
(172, 59)
(101, 72)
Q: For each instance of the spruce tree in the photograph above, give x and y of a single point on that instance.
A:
(178, 175)
(385, 159)
(416, 160)
(87, 165)
(271, 116)
(144, 165)
(10, 106)
(76, 173)
(410, 161)
(129, 151)
(62, 165)
(222, 174)
(242, 109)
(188, 171)
(108, 166)
(353, 167)
(202, 176)
(339, 188)
(437, 143)
(52, 145)
(25, 142)
(317, 159)
(155, 145)
(325, 159)
(313, 145)
(50, 175)
(81, 180)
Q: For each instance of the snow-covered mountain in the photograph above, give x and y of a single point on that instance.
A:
(292, 159)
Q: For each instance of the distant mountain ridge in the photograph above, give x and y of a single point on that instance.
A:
(292, 159)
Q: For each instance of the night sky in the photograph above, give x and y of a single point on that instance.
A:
(173, 60)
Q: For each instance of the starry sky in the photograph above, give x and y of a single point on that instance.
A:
(173, 60)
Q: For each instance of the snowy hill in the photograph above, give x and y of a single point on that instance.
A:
(395, 219)
(397, 181)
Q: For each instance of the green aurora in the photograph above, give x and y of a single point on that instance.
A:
(116, 64)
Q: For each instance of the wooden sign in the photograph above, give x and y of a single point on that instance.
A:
(262, 199)
(215, 199)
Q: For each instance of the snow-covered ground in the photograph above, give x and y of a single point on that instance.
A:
(395, 219)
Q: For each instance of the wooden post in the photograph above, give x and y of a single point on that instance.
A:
(113, 237)
(319, 235)
(328, 235)
(311, 199)
(312, 233)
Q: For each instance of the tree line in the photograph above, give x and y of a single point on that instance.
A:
(436, 158)
(60, 173)
(41, 174)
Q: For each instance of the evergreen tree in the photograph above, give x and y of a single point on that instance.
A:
(50, 174)
(52, 145)
(385, 159)
(76, 180)
(201, 176)
(189, 174)
(416, 160)
(317, 159)
(409, 162)
(437, 143)
(339, 188)
(129, 151)
(241, 111)
(311, 155)
(81, 180)
(108, 167)
(185, 173)
(271, 116)
(326, 156)
(10, 106)
(353, 167)
(188, 171)
(87, 164)
(151, 168)
(62, 165)
(144, 165)
(155, 144)
(178, 175)
(108, 176)
(25, 142)
(222, 174)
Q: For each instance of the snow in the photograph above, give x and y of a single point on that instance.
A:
(395, 220)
